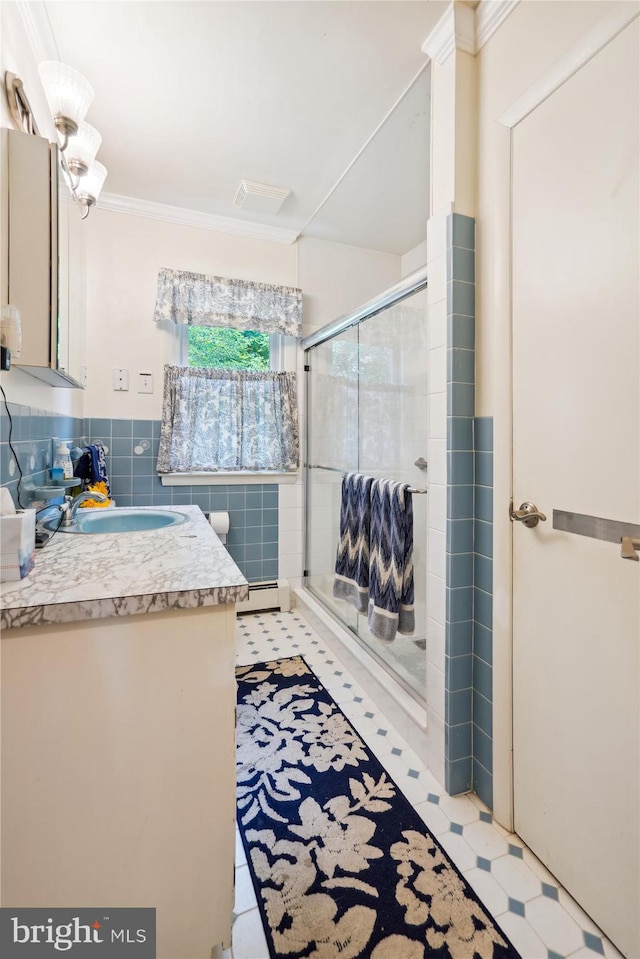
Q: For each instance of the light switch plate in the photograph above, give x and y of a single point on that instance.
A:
(145, 382)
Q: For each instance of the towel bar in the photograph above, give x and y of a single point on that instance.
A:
(334, 469)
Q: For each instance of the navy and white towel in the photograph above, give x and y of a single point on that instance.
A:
(391, 590)
(351, 581)
(374, 562)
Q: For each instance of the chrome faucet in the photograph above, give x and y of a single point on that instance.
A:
(71, 504)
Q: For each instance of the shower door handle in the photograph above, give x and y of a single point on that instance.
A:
(421, 464)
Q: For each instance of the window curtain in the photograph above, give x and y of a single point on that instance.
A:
(216, 420)
(199, 300)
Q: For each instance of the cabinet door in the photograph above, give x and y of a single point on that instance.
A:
(71, 288)
(46, 268)
(33, 245)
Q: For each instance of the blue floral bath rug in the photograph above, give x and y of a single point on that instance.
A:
(342, 865)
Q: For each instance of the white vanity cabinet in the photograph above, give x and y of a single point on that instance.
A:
(44, 245)
(118, 770)
(118, 730)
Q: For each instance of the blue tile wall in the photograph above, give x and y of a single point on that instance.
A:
(133, 449)
(483, 612)
(459, 656)
(30, 431)
(469, 539)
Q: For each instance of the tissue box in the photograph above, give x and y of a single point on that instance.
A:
(17, 545)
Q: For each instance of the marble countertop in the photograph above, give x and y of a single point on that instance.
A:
(82, 577)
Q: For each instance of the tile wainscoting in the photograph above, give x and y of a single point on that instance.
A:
(253, 539)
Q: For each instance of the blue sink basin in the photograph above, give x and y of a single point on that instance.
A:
(119, 520)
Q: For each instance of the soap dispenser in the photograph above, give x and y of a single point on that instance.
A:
(62, 460)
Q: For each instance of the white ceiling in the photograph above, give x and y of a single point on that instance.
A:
(192, 96)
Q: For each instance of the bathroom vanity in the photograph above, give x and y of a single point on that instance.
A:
(118, 704)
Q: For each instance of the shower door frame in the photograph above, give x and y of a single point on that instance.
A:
(415, 282)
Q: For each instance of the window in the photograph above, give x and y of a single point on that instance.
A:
(231, 404)
(211, 346)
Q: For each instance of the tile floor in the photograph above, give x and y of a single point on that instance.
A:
(538, 915)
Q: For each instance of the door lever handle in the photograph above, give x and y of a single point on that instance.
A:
(529, 514)
(628, 547)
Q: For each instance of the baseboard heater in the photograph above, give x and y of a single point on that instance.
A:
(273, 595)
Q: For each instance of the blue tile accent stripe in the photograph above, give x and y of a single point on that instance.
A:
(469, 538)
(131, 462)
(483, 611)
(461, 465)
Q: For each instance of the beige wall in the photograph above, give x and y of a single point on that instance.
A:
(413, 259)
(335, 279)
(124, 254)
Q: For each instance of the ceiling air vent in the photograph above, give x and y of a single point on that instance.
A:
(260, 197)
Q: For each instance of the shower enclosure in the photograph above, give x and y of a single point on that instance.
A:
(367, 411)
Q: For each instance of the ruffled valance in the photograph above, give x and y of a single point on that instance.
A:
(200, 300)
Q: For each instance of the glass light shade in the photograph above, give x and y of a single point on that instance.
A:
(83, 145)
(68, 93)
(92, 182)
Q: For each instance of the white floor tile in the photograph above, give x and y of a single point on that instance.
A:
(241, 859)
(571, 906)
(248, 937)
(516, 878)
(525, 940)
(433, 817)
(555, 927)
(585, 953)
(459, 850)
(245, 895)
(548, 924)
(413, 789)
(485, 840)
(488, 891)
(459, 809)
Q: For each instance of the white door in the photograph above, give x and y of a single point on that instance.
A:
(576, 448)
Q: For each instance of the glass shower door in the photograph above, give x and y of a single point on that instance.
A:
(332, 450)
(367, 411)
(393, 426)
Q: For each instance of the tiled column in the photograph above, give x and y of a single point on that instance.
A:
(460, 349)
(483, 612)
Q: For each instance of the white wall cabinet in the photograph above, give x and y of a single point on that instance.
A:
(45, 272)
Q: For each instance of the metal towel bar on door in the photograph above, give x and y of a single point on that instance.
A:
(609, 530)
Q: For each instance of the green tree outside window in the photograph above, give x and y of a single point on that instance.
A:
(228, 349)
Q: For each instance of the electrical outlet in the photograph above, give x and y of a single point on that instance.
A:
(145, 382)
(120, 379)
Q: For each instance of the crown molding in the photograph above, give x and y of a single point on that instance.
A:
(490, 15)
(461, 28)
(455, 30)
(38, 29)
(204, 221)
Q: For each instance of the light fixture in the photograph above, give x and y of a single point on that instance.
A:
(90, 186)
(69, 96)
(82, 148)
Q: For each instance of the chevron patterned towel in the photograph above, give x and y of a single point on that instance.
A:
(351, 581)
(391, 597)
